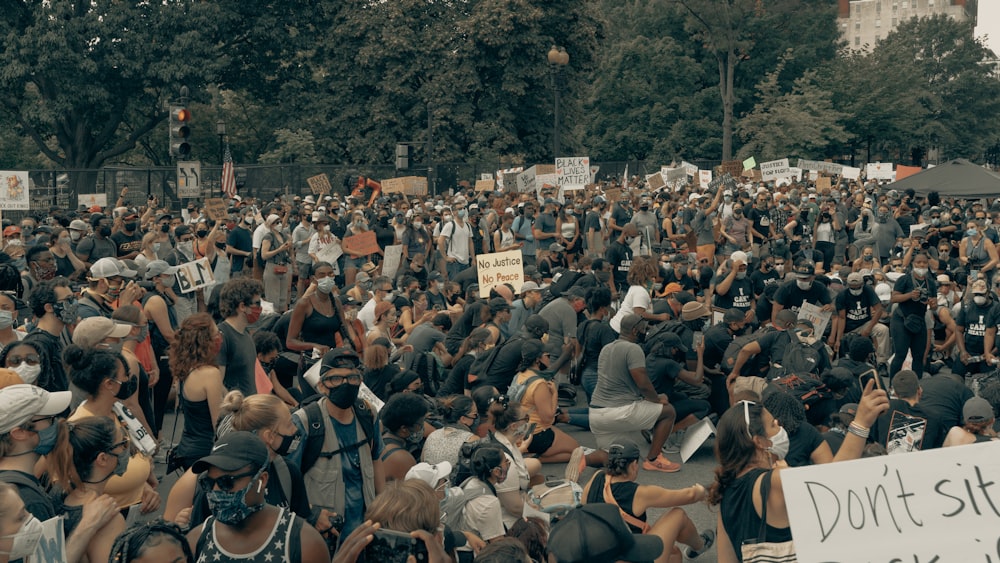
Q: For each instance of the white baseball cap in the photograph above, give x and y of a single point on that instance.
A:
(22, 402)
(430, 474)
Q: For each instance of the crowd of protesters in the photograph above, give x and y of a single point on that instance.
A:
(329, 395)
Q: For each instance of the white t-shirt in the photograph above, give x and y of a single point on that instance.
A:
(458, 246)
(517, 476)
(484, 516)
(635, 297)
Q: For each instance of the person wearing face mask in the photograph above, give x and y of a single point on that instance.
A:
(703, 225)
(978, 253)
(41, 266)
(765, 274)
(94, 451)
(523, 229)
(317, 321)
(54, 305)
(239, 245)
(240, 305)
(913, 294)
(403, 421)
(243, 524)
(806, 445)
(99, 244)
(887, 233)
(347, 478)
(106, 286)
(128, 240)
(802, 289)
(859, 311)
(649, 232)
(103, 376)
(737, 230)
(61, 246)
(78, 229)
(271, 421)
(751, 444)
(734, 290)
(976, 329)
(148, 250)
(456, 244)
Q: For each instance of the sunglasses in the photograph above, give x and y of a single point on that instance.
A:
(30, 359)
(224, 483)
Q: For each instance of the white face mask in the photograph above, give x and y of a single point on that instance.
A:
(804, 285)
(920, 272)
(856, 292)
(979, 299)
(26, 539)
(28, 373)
(779, 444)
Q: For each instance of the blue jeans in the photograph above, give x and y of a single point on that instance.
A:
(455, 268)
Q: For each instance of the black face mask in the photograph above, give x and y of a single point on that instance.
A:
(344, 395)
(640, 337)
(129, 226)
(104, 230)
(127, 389)
(287, 443)
(165, 228)
(201, 234)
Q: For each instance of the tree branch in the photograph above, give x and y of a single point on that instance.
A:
(129, 142)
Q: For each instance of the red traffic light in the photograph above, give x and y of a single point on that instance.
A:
(181, 114)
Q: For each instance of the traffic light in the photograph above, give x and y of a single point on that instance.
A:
(402, 157)
(180, 131)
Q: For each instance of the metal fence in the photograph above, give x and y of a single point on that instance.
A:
(52, 188)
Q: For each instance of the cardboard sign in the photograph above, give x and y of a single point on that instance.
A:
(819, 319)
(487, 185)
(906, 171)
(502, 177)
(675, 175)
(195, 275)
(655, 181)
(726, 181)
(15, 188)
(51, 547)
(937, 505)
(393, 257)
(320, 185)
(879, 170)
(216, 209)
(363, 244)
(750, 163)
(485, 176)
(409, 185)
(500, 268)
(820, 166)
(796, 173)
(90, 200)
(613, 194)
(704, 178)
(329, 252)
(526, 180)
(574, 172)
(732, 167)
(774, 169)
(822, 183)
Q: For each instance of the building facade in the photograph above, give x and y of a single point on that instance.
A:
(863, 23)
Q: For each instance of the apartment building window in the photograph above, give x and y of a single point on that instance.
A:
(857, 40)
(857, 26)
(906, 4)
(893, 22)
(878, 22)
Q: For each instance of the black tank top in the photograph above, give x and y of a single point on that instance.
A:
(321, 329)
(624, 493)
(741, 519)
(198, 436)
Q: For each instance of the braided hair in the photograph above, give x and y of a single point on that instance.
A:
(132, 543)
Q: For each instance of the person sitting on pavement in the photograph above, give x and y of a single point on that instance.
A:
(978, 418)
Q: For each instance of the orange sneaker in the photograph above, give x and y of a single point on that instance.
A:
(661, 464)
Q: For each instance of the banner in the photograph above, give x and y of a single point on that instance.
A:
(500, 268)
(878, 170)
(195, 275)
(15, 194)
(820, 166)
(939, 505)
(362, 244)
(320, 185)
(393, 257)
(409, 185)
(90, 200)
(675, 175)
(574, 172)
(775, 169)
(216, 209)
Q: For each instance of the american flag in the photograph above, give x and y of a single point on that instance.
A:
(228, 175)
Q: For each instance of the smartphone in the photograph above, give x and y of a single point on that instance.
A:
(871, 374)
(530, 431)
(973, 275)
(699, 339)
(390, 546)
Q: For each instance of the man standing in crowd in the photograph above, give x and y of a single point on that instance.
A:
(240, 305)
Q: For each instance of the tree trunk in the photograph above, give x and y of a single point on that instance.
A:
(727, 75)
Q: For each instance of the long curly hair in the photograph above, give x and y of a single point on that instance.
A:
(194, 345)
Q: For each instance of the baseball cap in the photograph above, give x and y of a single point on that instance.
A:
(629, 322)
(694, 310)
(78, 225)
(626, 450)
(110, 267)
(11, 231)
(430, 474)
(271, 219)
(855, 278)
(529, 286)
(434, 276)
(159, 268)
(498, 304)
(979, 286)
(673, 287)
(672, 340)
(597, 532)
(805, 269)
(95, 209)
(739, 255)
(92, 330)
(849, 408)
(556, 247)
(943, 279)
(20, 403)
(234, 450)
(977, 409)
(339, 358)
(536, 324)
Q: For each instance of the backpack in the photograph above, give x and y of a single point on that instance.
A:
(754, 366)
(799, 358)
(517, 390)
(363, 413)
(655, 336)
(557, 497)
(447, 244)
(429, 368)
(808, 389)
(566, 280)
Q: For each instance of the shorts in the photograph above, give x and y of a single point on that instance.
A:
(640, 415)
(353, 263)
(749, 383)
(304, 269)
(542, 442)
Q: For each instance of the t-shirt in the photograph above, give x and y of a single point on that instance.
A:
(976, 319)
(704, 228)
(759, 280)
(93, 249)
(238, 355)
(615, 386)
(470, 319)
(943, 399)
(562, 320)
(620, 257)
(717, 339)
(592, 222)
(858, 309)
(424, 336)
(761, 223)
(906, 284)
(127, 244)
(456, 241)
(686, 282)
(802, 444)
(791, 297)
(546, 223)
(740, 295)
(240, 239)
(594, 336)
(621, 217)
(637, 296)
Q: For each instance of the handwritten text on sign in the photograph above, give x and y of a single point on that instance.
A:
(774, 169)
(940, 505)
(500, 268)
(195, 275)
(574, 172)
(51, 546)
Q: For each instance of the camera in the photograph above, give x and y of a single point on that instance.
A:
(147, 285)
(390, 546)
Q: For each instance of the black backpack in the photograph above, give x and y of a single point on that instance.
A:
(462, 471)
(655, 336)
(799, 358)
(363, 413)
(754, 366)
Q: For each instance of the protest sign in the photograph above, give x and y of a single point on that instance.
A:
(547, 186)
(408, 185)
(749, 164)
(485, 176)
(613, 194)
(819, 319)
(655, 181)
(330, 252)
(696, 436)
(573, 172)
(486, 185)
(878, 170)
(362, 244)
(674, 175)
(820, 166)
(195, 275)
(526, 180)
(15, 193)
(500, 268)
(51, 547)
(501, 177)
(937, 505)
(733, 167)
(704, 178)
(320, 185)
(795, 173)
(691, 169)
(906, 433)
(822, 183)
(90, 200)
(392, 260)
(774, 169)
(726, 181)
(216, 209)
(850, 173)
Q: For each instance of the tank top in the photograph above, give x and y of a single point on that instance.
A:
(739, 516)
(157, 339)
(284, 543)
(321, 329)
(198, 436)
(568, 229)
(506, 239)
(624, 493)
(824, 232)
(976, 253)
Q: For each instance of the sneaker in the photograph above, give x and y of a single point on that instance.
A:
(576, 464)
(661, 464)
(708, 536)
(673, 445)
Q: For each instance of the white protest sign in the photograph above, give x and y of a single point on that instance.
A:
(500, 177)
(526, 181)
(939, 505)
(393, 257)
(90, 200)
(704, 178)
(485, 176)
(813, 314)
(500, 268)
(691, 169)
(820, 166)
(574, 172)
(329, 252)
(775, 169)
(546, 186)
(851, 173)
(675, 175)
(696, 436)
(51, 547)
(195, 275)
(879, 170)
(14, 190)
(795, 173)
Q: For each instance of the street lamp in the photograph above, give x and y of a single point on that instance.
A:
(220, 130)
(558, 59)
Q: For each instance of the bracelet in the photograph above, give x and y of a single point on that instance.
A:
(859, 427)
(859, 431)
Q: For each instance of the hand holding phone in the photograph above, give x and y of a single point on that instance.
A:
(390, 546)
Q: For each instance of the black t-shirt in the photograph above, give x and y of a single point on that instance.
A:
(943, 399)
(717, 339)
(761, 223)
(126, 243)
(594, 336)
(740, 295)
(685, 281)
(759, 280)
(621, 217)
(240, 239)
(504, 367)
(620, 257)
(802, 444)
(791, 297)
(858, 307)
(546, 223)
(238, 356)
(663, 373)
(436, 301)
(906, 284)
(975, 319)
(469, 320)
(933, 435)
(593, 221)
